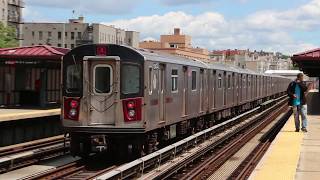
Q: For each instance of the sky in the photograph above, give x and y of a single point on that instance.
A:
(287, 26)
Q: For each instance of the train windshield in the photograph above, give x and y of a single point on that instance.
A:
(130, 83)
(73, 78)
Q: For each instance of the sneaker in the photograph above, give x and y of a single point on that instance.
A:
(297, 130)
(304, 129)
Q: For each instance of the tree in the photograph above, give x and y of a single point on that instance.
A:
(8, 36)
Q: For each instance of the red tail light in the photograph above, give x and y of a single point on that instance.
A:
(71, 108)
(132, 109)
(74, 103)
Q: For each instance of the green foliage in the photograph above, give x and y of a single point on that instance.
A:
(7, 36)
(295, 66)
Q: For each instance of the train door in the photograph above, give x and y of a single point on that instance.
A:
(162, 78)
(240, 88)
(102, 94)
(185, 91)
(214, 77)
(224, 89)
(201, 90)
(233, 89)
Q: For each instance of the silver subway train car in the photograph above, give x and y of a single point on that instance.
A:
(120, 99)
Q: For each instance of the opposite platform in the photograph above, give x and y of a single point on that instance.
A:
(17, 114)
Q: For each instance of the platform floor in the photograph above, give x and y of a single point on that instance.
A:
(16, 114)
(292, 155)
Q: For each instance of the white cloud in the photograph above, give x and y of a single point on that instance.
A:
(305, 17)
(182, 2)
(268, 30)
(89, 6)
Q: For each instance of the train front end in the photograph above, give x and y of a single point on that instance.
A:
(103, 98)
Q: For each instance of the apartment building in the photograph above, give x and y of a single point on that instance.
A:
(75, 33)
(11, 14)
(177, 44)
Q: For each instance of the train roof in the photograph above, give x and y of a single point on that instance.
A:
(169, 58)
(127, 53)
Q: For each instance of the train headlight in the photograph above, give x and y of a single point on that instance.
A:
(72, 112)
(132, 109)
(131, 113)
(71, 108)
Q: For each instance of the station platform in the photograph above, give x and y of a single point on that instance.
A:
(17, 114)
(294, 155)
(23, 125)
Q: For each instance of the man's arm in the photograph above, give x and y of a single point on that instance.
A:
(304, 87)
(289, 90)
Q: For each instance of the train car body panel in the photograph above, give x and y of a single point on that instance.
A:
(137, 99)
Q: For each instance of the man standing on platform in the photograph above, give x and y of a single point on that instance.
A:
(297, 91)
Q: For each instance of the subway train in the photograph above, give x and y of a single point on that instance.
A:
(124, 100)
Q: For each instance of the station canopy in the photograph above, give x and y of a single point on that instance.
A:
(308, 62)
(33, 52)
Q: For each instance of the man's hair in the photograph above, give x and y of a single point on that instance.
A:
(299, 75)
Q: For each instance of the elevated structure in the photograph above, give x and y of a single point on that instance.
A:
(292, 74)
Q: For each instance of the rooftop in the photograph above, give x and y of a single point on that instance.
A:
(39, 52)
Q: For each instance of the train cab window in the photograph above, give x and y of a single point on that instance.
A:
(130, 79)
(174, 80)
(193, 80)
(102, 79)
(219, 81)
(73, 79)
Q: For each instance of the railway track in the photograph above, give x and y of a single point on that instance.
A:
(208, 168)
(197, 156)
(22, 155)
(78, 170)
(251, 161)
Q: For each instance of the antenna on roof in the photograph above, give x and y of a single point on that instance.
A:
(73, 13)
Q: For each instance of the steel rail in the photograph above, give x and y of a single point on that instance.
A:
(41, 150)
(203, 170)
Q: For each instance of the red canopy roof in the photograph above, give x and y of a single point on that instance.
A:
(308, 62)
(35, 52)
(312, 54)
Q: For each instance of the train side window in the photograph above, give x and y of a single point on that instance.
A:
(193, 80)
(102, 79)
(150, 80)
(174, 80)
(219, 81)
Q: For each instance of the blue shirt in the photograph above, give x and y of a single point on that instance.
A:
(297, 92)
